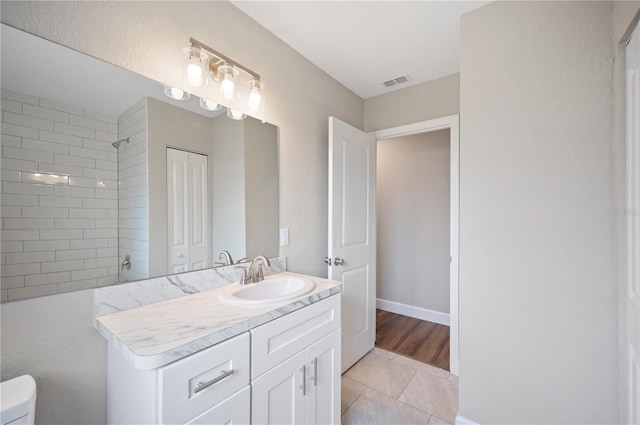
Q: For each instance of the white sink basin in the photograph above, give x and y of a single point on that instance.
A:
(272, 289)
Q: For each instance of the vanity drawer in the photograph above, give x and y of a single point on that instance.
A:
(182, 397)
(276, 341)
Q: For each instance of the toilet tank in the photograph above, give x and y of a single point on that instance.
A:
(18, 401)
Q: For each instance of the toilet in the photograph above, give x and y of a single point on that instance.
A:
(18, 401)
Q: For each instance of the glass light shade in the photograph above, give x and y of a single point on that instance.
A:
(228, 81)
(176, 93)
(209, 105)
(236, 115)
(195, 59)
(256, 95)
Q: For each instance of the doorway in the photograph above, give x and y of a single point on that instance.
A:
(437, 129)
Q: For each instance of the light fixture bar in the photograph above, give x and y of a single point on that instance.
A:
(219, 55)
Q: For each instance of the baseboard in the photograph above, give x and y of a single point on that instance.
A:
(461, 420)
(412, 311)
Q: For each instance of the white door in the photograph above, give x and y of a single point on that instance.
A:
(323, 394)
(187, 210)
(352, 235)
(633, 229)
(278, 396)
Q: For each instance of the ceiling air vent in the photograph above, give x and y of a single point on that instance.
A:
(398, 80)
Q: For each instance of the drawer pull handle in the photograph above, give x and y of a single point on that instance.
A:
(303, 387)
(314, 362)
(202, 385)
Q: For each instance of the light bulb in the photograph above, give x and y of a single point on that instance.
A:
(236, 115)
(227, 86)
(194, 75)
(177, 93)
(254, 99)
(209, 105)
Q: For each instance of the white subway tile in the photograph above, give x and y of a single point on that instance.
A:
(20, 200)
(19, 269)
(101, 262)
(113, 128)
(4, 295)
(41, 145)
(88, 153)
(27, 189)
(74, 130)
(105, 281)
(12, 282)
(74, 192)
(77, 285)
(20, 165)
(113, 242)
(127, 203)
(75, 254)
(52, 245)
(46, 235)
(107, 165)
(112, 213)
(25, 154)
(100, 203)
(74, 161)
(32, 291)
(65, 170)
(130, 120)
(11, 106)
(53, 201)
(112, 156)
(18, 97)
(100, 233)
(107, 137)
(76, 223)
(134, 223)
(11, 246)
(99, 116)
(9, 211)
(90, 243)
(106, 224)
(107, 193)
(45, 212)
(27, 121)
(98, 145)
(133, 192)
(65, 139)
(83, 182)
(45, 113)
(45, 103)
(102, 174)
(135, 234)
(30, 257)
(89, 274)
(61, 266)
(28, 223)
(45, 178)
(11, 175)
(134, 170)
(114, 271)
(20, 235)
(88, 213)
(14, 141)
(132, 244)
(106, 252)
(44, 278)
(88, 123)
(18, 130)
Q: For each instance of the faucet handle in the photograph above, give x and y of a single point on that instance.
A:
(244, 277)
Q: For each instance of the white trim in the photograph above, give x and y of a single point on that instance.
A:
(413, 311)
(461, 420)
(452, 122)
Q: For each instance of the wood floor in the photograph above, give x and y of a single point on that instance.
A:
(423, 341)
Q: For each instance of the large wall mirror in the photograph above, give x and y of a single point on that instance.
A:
(107, 180)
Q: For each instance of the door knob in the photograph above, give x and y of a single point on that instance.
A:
(327, 260)
(338, 261)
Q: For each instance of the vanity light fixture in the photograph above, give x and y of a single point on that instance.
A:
(209, 105)
(227, 81)
(235, 114)
(176, 93)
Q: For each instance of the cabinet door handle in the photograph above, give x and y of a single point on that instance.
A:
(303, 387)
(314, 362)
(202, 385)
(338, 261)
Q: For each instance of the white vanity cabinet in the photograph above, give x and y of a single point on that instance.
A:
(295, 367)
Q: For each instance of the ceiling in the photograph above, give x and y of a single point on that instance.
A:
(365, 43)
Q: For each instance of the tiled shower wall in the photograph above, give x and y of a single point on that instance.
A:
(134, 225)
(59, 203)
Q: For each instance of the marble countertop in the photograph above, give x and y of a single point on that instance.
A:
(157, 334)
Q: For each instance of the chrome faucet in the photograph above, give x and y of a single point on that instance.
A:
(227, 257)
(256, 273)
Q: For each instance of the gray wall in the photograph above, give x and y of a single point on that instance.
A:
(433, 99)
(148, 38)
(413, 243)
(537, 278)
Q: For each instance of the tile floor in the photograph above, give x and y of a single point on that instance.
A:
(387, 388)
